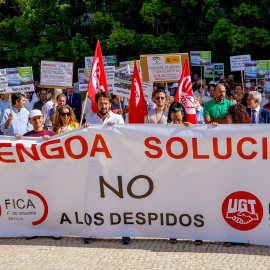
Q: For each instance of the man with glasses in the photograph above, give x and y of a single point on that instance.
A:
(159, 114)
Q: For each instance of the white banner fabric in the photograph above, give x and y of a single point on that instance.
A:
(170, 181)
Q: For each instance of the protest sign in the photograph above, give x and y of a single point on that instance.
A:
(257, 69)
(267, 84)
(109, 60)
(56, 74)
(131, 64)
(122, 84)
(214, 70)
(162, 67)
(3, 81)
(238, 62)
(139, 181)
(84, 74)
(19, 79)
(200, 58)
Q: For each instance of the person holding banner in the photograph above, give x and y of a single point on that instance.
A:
(15, 120)
(36, 119)
(158, 115)
(257, 114)
(104, 115)
(216, 109)
(65, 120)
(177, 114)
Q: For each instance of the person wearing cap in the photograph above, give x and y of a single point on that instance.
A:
(36, 119)
(173, 88)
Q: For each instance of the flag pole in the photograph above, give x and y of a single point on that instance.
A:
(83, 108)
(242, 80)
(10, 105)
(167, 89)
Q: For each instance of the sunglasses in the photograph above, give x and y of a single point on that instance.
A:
(162, 98)
(63, 113)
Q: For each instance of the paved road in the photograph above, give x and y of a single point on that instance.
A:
(71, 253)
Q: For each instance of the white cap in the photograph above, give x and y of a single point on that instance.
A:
(174, 85)
(35, 113)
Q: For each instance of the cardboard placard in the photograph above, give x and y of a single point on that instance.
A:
(162, 67)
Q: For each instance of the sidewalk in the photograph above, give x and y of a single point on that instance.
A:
(71, 253)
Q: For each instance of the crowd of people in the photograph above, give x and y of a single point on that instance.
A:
(48, 112)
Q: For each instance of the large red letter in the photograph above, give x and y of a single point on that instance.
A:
(84, 147)
(169, 149)
(229, 148)
(59, 150)
(195, 150)
(6, 153)
(240, 150)
(153, 147)
(20, 148)
(103, 149)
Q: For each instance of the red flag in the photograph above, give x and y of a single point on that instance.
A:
(184, 94)
(97, 81)
(137, 104)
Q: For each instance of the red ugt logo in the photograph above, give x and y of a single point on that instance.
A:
(242, 210)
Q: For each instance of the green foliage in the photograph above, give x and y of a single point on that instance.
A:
(34, 30)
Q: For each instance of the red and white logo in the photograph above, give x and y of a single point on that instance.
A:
(242, 210)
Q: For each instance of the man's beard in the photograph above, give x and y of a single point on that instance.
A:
(103, 112)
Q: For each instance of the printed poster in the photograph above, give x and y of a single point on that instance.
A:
(109, 60)
(3, 81)
(19, 79)
(267, 84)
(200, 58)
(257, 69)
(122, 85)
(84, 75)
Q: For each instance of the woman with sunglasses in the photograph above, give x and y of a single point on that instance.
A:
(65, 120)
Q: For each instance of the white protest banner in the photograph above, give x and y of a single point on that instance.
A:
(109, 60)
(3, 81)
(170, 181)
(238, 62)
(56, 74)
(164, 68)
(84, 75)
(19, 79)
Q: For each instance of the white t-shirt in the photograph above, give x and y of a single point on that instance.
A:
(112, 117)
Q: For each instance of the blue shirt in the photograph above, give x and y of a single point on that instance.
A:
(199, 114)
(4, 104)
(19, 124)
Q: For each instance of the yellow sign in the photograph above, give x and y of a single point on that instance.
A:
(175, 59)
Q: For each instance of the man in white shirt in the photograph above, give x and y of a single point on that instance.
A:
(104, 115)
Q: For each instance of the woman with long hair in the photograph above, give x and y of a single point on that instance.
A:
(237, 114)
(64, 120)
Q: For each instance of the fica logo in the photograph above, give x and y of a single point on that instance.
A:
(242, 210)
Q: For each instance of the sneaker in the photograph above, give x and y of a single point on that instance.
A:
(126, 241)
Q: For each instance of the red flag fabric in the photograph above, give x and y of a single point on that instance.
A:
(184, 94)
(97, 81)
(137, 104)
